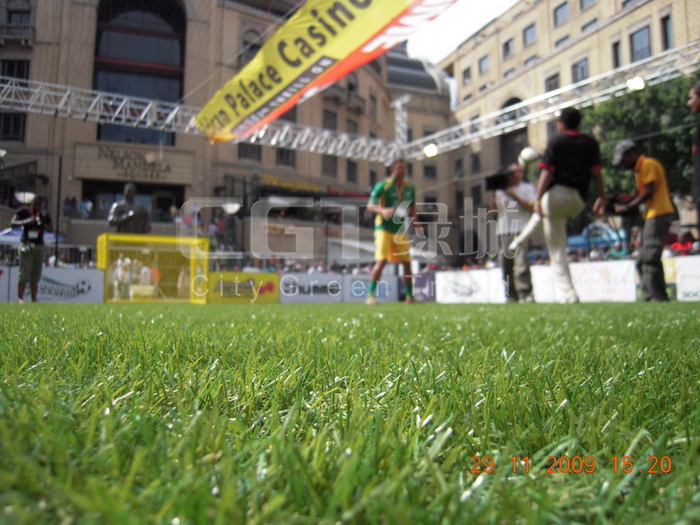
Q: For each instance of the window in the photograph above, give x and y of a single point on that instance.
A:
(484, 65)
(616, 55)
(251, 44)
(466, 97)
(666, 33)
(476, 195)
(430, 171)
(250, 151)
(640, 44)
(508, 48)
(585, 4)
(467, 76)
(15, 68)
(529, 35)
(561, 14)
(372, 105)
(12, 126)
(351, 172)
(372, 178)
(561, 41)
(551, 83)
(509, 73)
(330, 120)
(351, 126)
(19, 17)
(286, 157)
(551, 128)
(139, 52)
(588, 25)
(579, 70)
(459, 202)
(530, 60)
(459, 169)
(626, 3)
(475, 126)
(329, 165)
(475, 163)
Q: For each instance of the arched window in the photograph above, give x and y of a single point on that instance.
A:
(251, 44)
(140, 52)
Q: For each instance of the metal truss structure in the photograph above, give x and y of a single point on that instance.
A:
(107, 108)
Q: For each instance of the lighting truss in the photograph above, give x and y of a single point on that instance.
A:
(31, 96)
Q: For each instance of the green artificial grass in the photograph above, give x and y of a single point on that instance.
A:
(328, 414)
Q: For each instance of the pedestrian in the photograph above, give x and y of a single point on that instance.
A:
(652, 191)
(31, 251)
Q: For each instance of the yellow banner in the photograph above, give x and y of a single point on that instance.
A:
(322, 42)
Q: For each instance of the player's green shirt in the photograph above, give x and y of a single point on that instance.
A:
(385, 194)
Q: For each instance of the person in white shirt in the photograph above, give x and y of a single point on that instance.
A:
(515, 205)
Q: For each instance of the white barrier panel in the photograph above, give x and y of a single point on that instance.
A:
(65, 285)
(4, 284)
(605, 281)
(311, 288)
(355, 288)
(542, 283)
(688, 278)
(470, 286)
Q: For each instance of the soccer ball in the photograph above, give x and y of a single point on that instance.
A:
(83, 287)
(528, 155)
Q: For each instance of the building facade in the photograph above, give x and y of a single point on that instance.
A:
(176, 51)
(539, 46)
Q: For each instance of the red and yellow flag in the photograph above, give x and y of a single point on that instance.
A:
(321, 43)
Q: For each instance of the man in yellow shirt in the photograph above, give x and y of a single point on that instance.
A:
(652, 191)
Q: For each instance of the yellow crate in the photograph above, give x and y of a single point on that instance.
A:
(152, 268)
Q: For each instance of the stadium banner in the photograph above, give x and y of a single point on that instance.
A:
(470, 286)
(424, 287)
(322, 42)
(4, 284)
(688, 278)
(595, 282)
(355, 288)
(243, 287)
(605, 281)
(65, 285)
(311, 288)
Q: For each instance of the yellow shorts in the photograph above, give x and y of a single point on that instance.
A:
(393, 247)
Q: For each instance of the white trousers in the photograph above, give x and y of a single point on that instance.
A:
(558, 204)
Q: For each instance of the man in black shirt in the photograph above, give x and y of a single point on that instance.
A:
(569, 162)
(31, 251)
(694, 105)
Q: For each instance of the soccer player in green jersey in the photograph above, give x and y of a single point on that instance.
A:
(394, 202)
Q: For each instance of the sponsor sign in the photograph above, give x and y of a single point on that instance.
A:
(322, 42)
(424, 287)
(64, 285)
(605, 281)
(471, 286)
(311, 288)
(355, 288)
(688, 278)
(242, 287)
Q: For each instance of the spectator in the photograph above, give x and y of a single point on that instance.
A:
(652, 191)
(31, 251)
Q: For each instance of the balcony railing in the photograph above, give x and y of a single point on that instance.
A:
(16, 33)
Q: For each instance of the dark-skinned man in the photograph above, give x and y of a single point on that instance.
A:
(652, 192)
